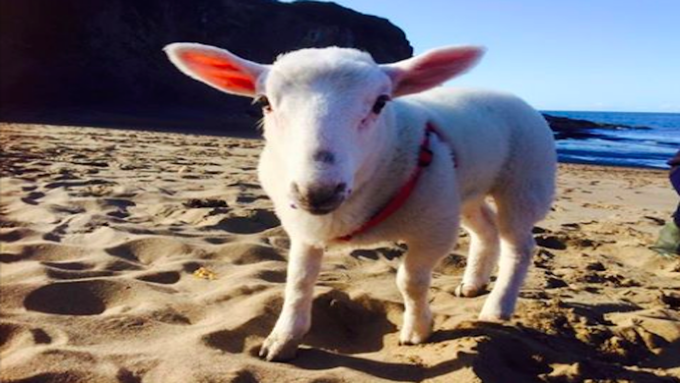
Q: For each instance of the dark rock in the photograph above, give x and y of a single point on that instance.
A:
(550, 242)
(543, 258)
(101, 63)
(565, 127)
(672, 300)
(582, 242)
(539, 230)
(203, 203)
(554, 283)
(595, 266)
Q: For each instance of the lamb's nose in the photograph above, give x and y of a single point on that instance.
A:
(324, 157)
(319, 199)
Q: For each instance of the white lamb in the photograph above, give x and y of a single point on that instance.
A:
(347, 139)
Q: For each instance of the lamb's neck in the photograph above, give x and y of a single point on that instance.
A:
(382, 156)
(380, 176)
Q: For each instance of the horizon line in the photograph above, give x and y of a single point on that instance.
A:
(601, 111)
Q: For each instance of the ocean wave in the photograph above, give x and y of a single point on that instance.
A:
(650, 147)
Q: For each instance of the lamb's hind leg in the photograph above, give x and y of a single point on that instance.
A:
(480, 222)
(516, 217)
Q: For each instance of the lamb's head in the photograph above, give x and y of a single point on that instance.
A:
(324, 109)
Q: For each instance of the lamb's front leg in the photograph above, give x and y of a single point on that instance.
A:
(413, 280)
(296, 315)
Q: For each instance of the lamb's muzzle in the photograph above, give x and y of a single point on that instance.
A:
(318, 199)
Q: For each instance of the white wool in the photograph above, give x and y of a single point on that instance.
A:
(488, 144)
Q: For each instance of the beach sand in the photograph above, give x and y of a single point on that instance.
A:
(131, 256)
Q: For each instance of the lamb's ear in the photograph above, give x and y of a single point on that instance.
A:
(431, 68)
(216, 67)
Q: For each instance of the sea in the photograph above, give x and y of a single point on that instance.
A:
(653, 139)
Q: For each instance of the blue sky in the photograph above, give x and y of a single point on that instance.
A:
(609, 55)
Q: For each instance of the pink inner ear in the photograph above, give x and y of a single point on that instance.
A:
(453, 60)
(219, 71)
(433, 68)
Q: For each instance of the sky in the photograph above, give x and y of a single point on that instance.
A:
(602, 55)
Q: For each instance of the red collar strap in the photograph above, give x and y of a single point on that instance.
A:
(424, 160)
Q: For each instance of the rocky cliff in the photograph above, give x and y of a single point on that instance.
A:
(101, 62)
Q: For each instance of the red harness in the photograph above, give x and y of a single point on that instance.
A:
(424, 160)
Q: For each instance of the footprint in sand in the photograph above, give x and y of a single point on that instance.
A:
(21, 335)
(75, 266)
(257, 221)
(85, 298)
(162, 277)
(152, 249)
(247, 253)
(94, 296)
(350, 325)
(226, 340)
(60, 274)
(42, 252)
(17, 234)
(33, 198)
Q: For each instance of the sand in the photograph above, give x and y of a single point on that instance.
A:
(132, 256)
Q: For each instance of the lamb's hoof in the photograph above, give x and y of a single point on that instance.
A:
(469, 291)
(493, 317)
(413, 339)
(279, 349)
(411, 335)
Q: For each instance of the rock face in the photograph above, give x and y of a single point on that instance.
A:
(565, 127)
(101, 62)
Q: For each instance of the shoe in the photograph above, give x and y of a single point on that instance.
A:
(668, 243)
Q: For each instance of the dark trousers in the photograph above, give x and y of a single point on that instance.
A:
(675, 180)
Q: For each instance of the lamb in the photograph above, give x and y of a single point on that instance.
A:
(359, 153)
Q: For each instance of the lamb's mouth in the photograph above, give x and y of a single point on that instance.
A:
(320, 201)
(322, 211)
(322, 208)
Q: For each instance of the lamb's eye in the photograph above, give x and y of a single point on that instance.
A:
(263, 102)
(380, 103)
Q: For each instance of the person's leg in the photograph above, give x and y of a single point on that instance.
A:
(668, 242)
(675, 181)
